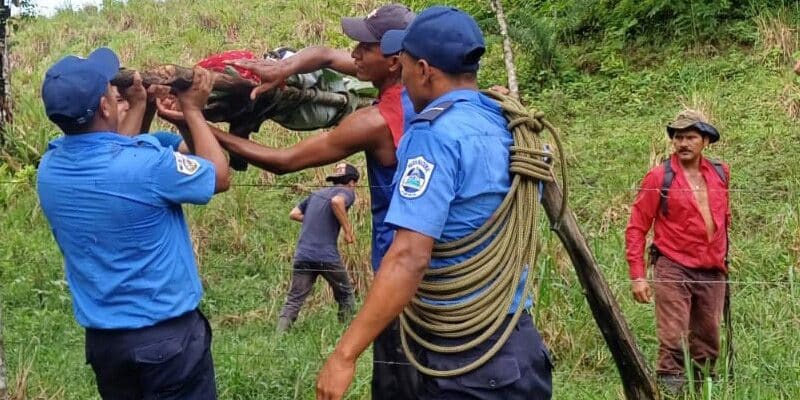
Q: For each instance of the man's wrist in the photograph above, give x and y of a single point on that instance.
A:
(191, 109)
(343, 353)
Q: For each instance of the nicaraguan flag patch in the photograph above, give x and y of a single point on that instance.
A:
(416, 177)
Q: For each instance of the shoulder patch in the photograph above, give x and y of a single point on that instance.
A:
(186, 165)
(434, 112)
(415, 177)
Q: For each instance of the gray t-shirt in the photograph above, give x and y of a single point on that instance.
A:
(320, 230)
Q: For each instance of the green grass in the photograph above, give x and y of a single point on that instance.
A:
(613, 123)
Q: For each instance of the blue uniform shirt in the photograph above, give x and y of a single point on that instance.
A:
(114, 207)
(452, 170)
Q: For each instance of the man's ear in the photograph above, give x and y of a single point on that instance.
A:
(394, 63)
(105, 106)
(424, 70)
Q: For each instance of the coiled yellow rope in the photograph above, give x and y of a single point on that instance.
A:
(511, 233)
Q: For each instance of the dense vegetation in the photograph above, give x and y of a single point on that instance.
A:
(610, 73)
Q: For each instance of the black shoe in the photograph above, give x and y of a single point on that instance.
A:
(672, 385)
(346, 313)
(284, 324)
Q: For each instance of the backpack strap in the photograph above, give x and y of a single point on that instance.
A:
(669, 176)
(719, 169)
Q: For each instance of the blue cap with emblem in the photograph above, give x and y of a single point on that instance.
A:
(73, 86)
(446, 37)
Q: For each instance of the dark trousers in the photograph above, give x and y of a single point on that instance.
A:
(304, 274)
(170, 360)
(689, 306)
(521, 370)
(393, 377)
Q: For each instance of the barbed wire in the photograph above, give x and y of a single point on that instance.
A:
(301, 186)
(289, 268)
(557, 372)
(353, 271)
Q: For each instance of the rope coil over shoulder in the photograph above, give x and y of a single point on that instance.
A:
(510, 238)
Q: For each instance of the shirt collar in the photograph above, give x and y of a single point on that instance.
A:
(455, 96)
(705, 165)
(91, 138)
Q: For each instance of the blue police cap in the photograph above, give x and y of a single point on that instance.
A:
(447, 38)
(73, 86)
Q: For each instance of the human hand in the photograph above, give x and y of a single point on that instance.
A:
(797, 68)
(136, 94)
(271, 72)
(158, 92)
(169, 109)
(500, 89)
(641, 290)
(195, 97)
(335, 377)
(349, 238)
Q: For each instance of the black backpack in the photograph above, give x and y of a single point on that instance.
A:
(669, 176)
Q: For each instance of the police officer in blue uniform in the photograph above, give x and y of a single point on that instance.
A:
(114, 206)
(453, 173)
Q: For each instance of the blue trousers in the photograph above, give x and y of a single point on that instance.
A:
(393, 377)
(167, 361)
(521, 370)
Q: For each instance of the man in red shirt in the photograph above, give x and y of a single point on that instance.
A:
(686, 201)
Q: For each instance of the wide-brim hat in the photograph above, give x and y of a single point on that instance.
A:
(692, 119)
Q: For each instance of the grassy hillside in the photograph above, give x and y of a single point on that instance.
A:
(610, 96)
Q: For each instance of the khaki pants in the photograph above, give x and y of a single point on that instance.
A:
(689, 306)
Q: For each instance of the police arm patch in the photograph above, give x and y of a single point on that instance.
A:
(186, 165)
(416, 177)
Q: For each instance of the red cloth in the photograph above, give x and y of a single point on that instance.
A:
(681, 236)
(390, 105)
(216, 62)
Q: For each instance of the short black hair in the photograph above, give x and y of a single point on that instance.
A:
(343, 180)
(69, 125)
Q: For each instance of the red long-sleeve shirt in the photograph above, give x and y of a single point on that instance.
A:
(681, 235)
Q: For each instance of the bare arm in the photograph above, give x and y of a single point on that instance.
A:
(192, 102)
(136, 96)
(315, 58)
(296, 215)
(397, 280)
(274, 73)
(364, 130)
(340, 211)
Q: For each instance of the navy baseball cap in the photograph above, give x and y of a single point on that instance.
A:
(73, 86)
(446, 37)
(370, 29)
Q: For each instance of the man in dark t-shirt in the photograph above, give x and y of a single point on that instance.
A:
(322, 214)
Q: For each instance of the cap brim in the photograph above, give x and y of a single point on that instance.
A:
(392, 42)
(105, 62)
(705, 129)
(356, 28)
